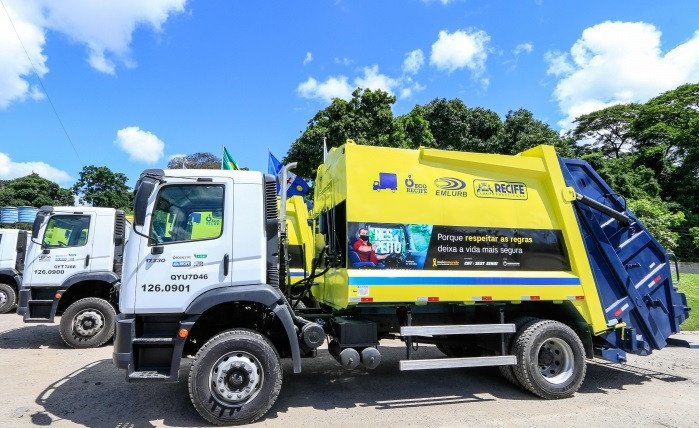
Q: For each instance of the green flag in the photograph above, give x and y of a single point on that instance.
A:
(227, 161)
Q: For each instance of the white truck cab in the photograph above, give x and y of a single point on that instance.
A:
(13, 244)
(73, 265)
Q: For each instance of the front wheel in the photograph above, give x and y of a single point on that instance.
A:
(8, 298)
(88, 323)
(550, 359)
(235, 378)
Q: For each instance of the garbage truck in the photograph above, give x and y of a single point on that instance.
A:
(13, 243)
(72, 270)
(531, 263)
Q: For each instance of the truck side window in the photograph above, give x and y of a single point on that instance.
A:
(66, 231)
(187, 212)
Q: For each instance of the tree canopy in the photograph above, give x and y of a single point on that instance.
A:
(33, 190)
(199, 160)
(101, 187)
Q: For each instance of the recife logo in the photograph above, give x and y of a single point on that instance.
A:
(387, 180)
(500, 189)
(450, 186)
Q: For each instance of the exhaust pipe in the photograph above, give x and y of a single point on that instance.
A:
(347, 357)
(371, 357)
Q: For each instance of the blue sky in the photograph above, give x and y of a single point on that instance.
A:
(136, 82)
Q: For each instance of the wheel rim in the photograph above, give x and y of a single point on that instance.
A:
(555, 359)
(3, 298)
(88, 322)
(236, 378)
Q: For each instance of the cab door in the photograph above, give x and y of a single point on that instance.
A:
(189, 225)
(63, 251)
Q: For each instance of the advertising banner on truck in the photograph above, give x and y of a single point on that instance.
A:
(435, 247)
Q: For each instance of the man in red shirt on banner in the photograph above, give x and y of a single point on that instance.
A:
(365, 249)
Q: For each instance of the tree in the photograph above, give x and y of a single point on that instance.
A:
(609, 129)
(199, 160)
(367, 119)
(521, 131)
(660, 219)
(33, 190)
(414, 131)
(101, 187)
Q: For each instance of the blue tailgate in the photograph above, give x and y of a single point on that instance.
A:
(631, 269)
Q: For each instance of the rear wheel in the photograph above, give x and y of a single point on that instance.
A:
(235, 378)
(508, 371)
(8, 298)
(88, 323)
(550, 359)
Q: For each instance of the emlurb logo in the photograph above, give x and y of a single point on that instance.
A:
(450, 186)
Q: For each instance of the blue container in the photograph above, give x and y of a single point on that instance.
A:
(27, 214)
(8, 215)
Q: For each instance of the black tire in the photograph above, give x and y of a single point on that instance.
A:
(241, 350)
(508, 371)
(550, 359)
(8, 298)
(88, 323)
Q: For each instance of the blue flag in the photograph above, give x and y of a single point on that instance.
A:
(295, 185)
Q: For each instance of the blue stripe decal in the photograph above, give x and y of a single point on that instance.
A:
(296, 274)
(453, 280)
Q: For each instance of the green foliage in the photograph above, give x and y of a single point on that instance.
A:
(101, 187)
(660, 219)
(689, 285)
(694, 234)
(521, 131)
(33, 190)
(199, 160)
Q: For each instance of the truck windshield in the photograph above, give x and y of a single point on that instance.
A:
(189, 212)
(66, 231)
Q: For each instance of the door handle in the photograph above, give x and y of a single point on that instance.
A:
(87, 260)
(226, 260)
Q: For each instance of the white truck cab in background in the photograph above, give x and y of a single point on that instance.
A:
(13, 244)
(72, 268)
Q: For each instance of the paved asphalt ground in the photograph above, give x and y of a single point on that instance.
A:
(45, 383)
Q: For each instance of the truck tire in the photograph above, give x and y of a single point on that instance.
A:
(88, 323)
(550, 359)
(221, 370)
(507, 371)
(8, 298)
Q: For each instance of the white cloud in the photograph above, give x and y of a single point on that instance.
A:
(413, 61)
(408, 91)
(104, 27)
(374, 80)
(523, 48)
(460, 49)
(15, 67)
(142, 146)
(343, 61)
(308, 58)
(619, 62)
(333, 87)
(10, 169)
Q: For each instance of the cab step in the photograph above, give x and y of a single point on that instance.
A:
(38, 320)
(149, 375)
(453, 363)
(153, 341)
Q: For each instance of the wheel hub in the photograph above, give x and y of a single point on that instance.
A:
(236, 378)
(88, 323)
(555, 360)
(3, 298)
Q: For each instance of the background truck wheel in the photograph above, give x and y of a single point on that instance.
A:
(88, 323)
(550, 359)
(508, 371)
(8, 298)
(235, 378)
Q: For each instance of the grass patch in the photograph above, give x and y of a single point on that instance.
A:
(689, 285)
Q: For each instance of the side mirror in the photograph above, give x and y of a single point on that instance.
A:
(36, 226)
(143, 192)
